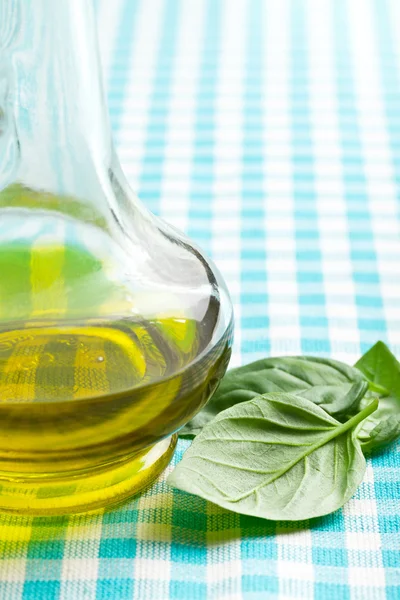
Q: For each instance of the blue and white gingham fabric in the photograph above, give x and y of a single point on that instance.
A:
(268, 130)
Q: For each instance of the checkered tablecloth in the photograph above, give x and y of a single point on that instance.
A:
(268, 130)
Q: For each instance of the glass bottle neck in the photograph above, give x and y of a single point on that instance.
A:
(54, 132)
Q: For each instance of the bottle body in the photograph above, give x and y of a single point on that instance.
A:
(114, 328)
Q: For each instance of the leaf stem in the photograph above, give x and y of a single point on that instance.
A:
(338, 431)
(359, 417)
(379, 389)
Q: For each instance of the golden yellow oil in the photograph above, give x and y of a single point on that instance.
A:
(82, 406)
(86, 392)
(76, 397)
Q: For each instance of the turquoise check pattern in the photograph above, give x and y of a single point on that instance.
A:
(269, 130)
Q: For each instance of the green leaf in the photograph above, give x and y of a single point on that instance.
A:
(328, 383)
(383, 432)
(278, 456)
(382, 369)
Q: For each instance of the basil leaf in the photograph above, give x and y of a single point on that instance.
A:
(382, 369)
(382, 433)
(323, 381)
(278, 456)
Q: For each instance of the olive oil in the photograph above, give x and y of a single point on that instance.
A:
(91, 391)
(77, 400)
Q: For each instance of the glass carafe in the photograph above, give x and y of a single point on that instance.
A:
(114, 327)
